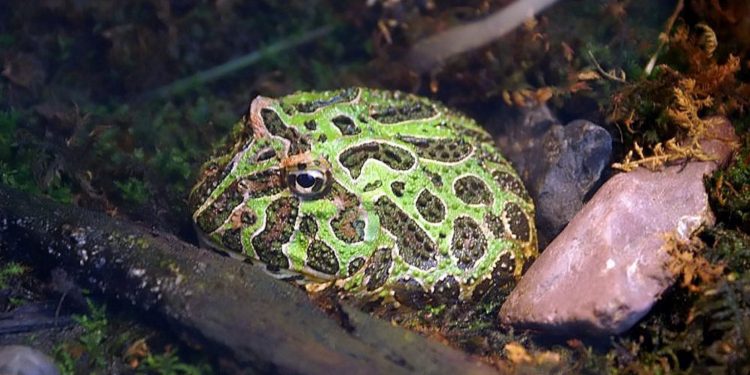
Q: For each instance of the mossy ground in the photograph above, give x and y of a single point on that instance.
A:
(79, 122)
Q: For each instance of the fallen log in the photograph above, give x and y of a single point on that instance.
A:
(236, 311)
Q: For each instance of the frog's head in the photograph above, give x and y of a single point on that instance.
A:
(277, 147)
(261, 180)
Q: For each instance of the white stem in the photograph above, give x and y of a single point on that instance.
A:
(434, 50)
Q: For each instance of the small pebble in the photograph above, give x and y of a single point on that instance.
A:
(576, 155)
(560, 165)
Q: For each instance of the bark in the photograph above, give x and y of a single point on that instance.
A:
(255, 323)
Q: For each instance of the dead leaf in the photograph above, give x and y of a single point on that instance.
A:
(506, 97)
(136, 352)
(588, 75)
(543, 94)
(579, 86)
(517, 353)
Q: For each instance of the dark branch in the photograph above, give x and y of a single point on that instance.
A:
(233, 309)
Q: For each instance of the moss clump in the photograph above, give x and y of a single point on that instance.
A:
(729, 189)
(662, 114)
(104, 346)
(26, 166)
(10, 271)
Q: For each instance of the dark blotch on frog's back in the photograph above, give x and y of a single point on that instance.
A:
(411, 293)
(396, 158)
(446, 290)
(262, 184)
(341, 96)
(355, 265)
(373, 185)
(443, 150)
(214, 171)
(274, 124)
(407, 109)
(518, 222)
(219, 210)
(346, 125)
(281, 216)
(414, 245)
(510, 183)
(308, 226)
(322, 258)
(430, 207)
(495, 224)
(485, 153)
(397, 187)
(435, 178)
(472, 190)
(232, 239)
(378, 268)
(347, 225)
(468, 244)
(497, 287)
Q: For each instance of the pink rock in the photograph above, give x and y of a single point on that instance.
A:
(607, 268)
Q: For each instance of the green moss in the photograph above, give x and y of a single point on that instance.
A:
(730, 248)
(8, 127)
(134, 190)
(435, 310)
(102, 342)
(729, 189)
(10, 271)
(703, 331)
(94, 327)
(142, 243)
(168, 363)
(17, 162)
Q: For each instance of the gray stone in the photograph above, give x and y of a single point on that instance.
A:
(23, 360)
(575, 157)
(608, 266)
(560, 165)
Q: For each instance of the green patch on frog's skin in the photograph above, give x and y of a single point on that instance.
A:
(401, 195)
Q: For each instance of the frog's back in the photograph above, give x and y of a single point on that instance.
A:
(413, 198)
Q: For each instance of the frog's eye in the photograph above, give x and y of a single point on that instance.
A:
(309, 183)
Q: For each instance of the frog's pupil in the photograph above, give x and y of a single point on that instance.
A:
(305, 180)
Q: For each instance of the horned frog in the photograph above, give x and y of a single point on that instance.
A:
(393, 194)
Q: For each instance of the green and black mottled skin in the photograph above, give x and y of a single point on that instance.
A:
(394, 194)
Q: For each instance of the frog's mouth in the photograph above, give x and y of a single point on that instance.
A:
(204, 242)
